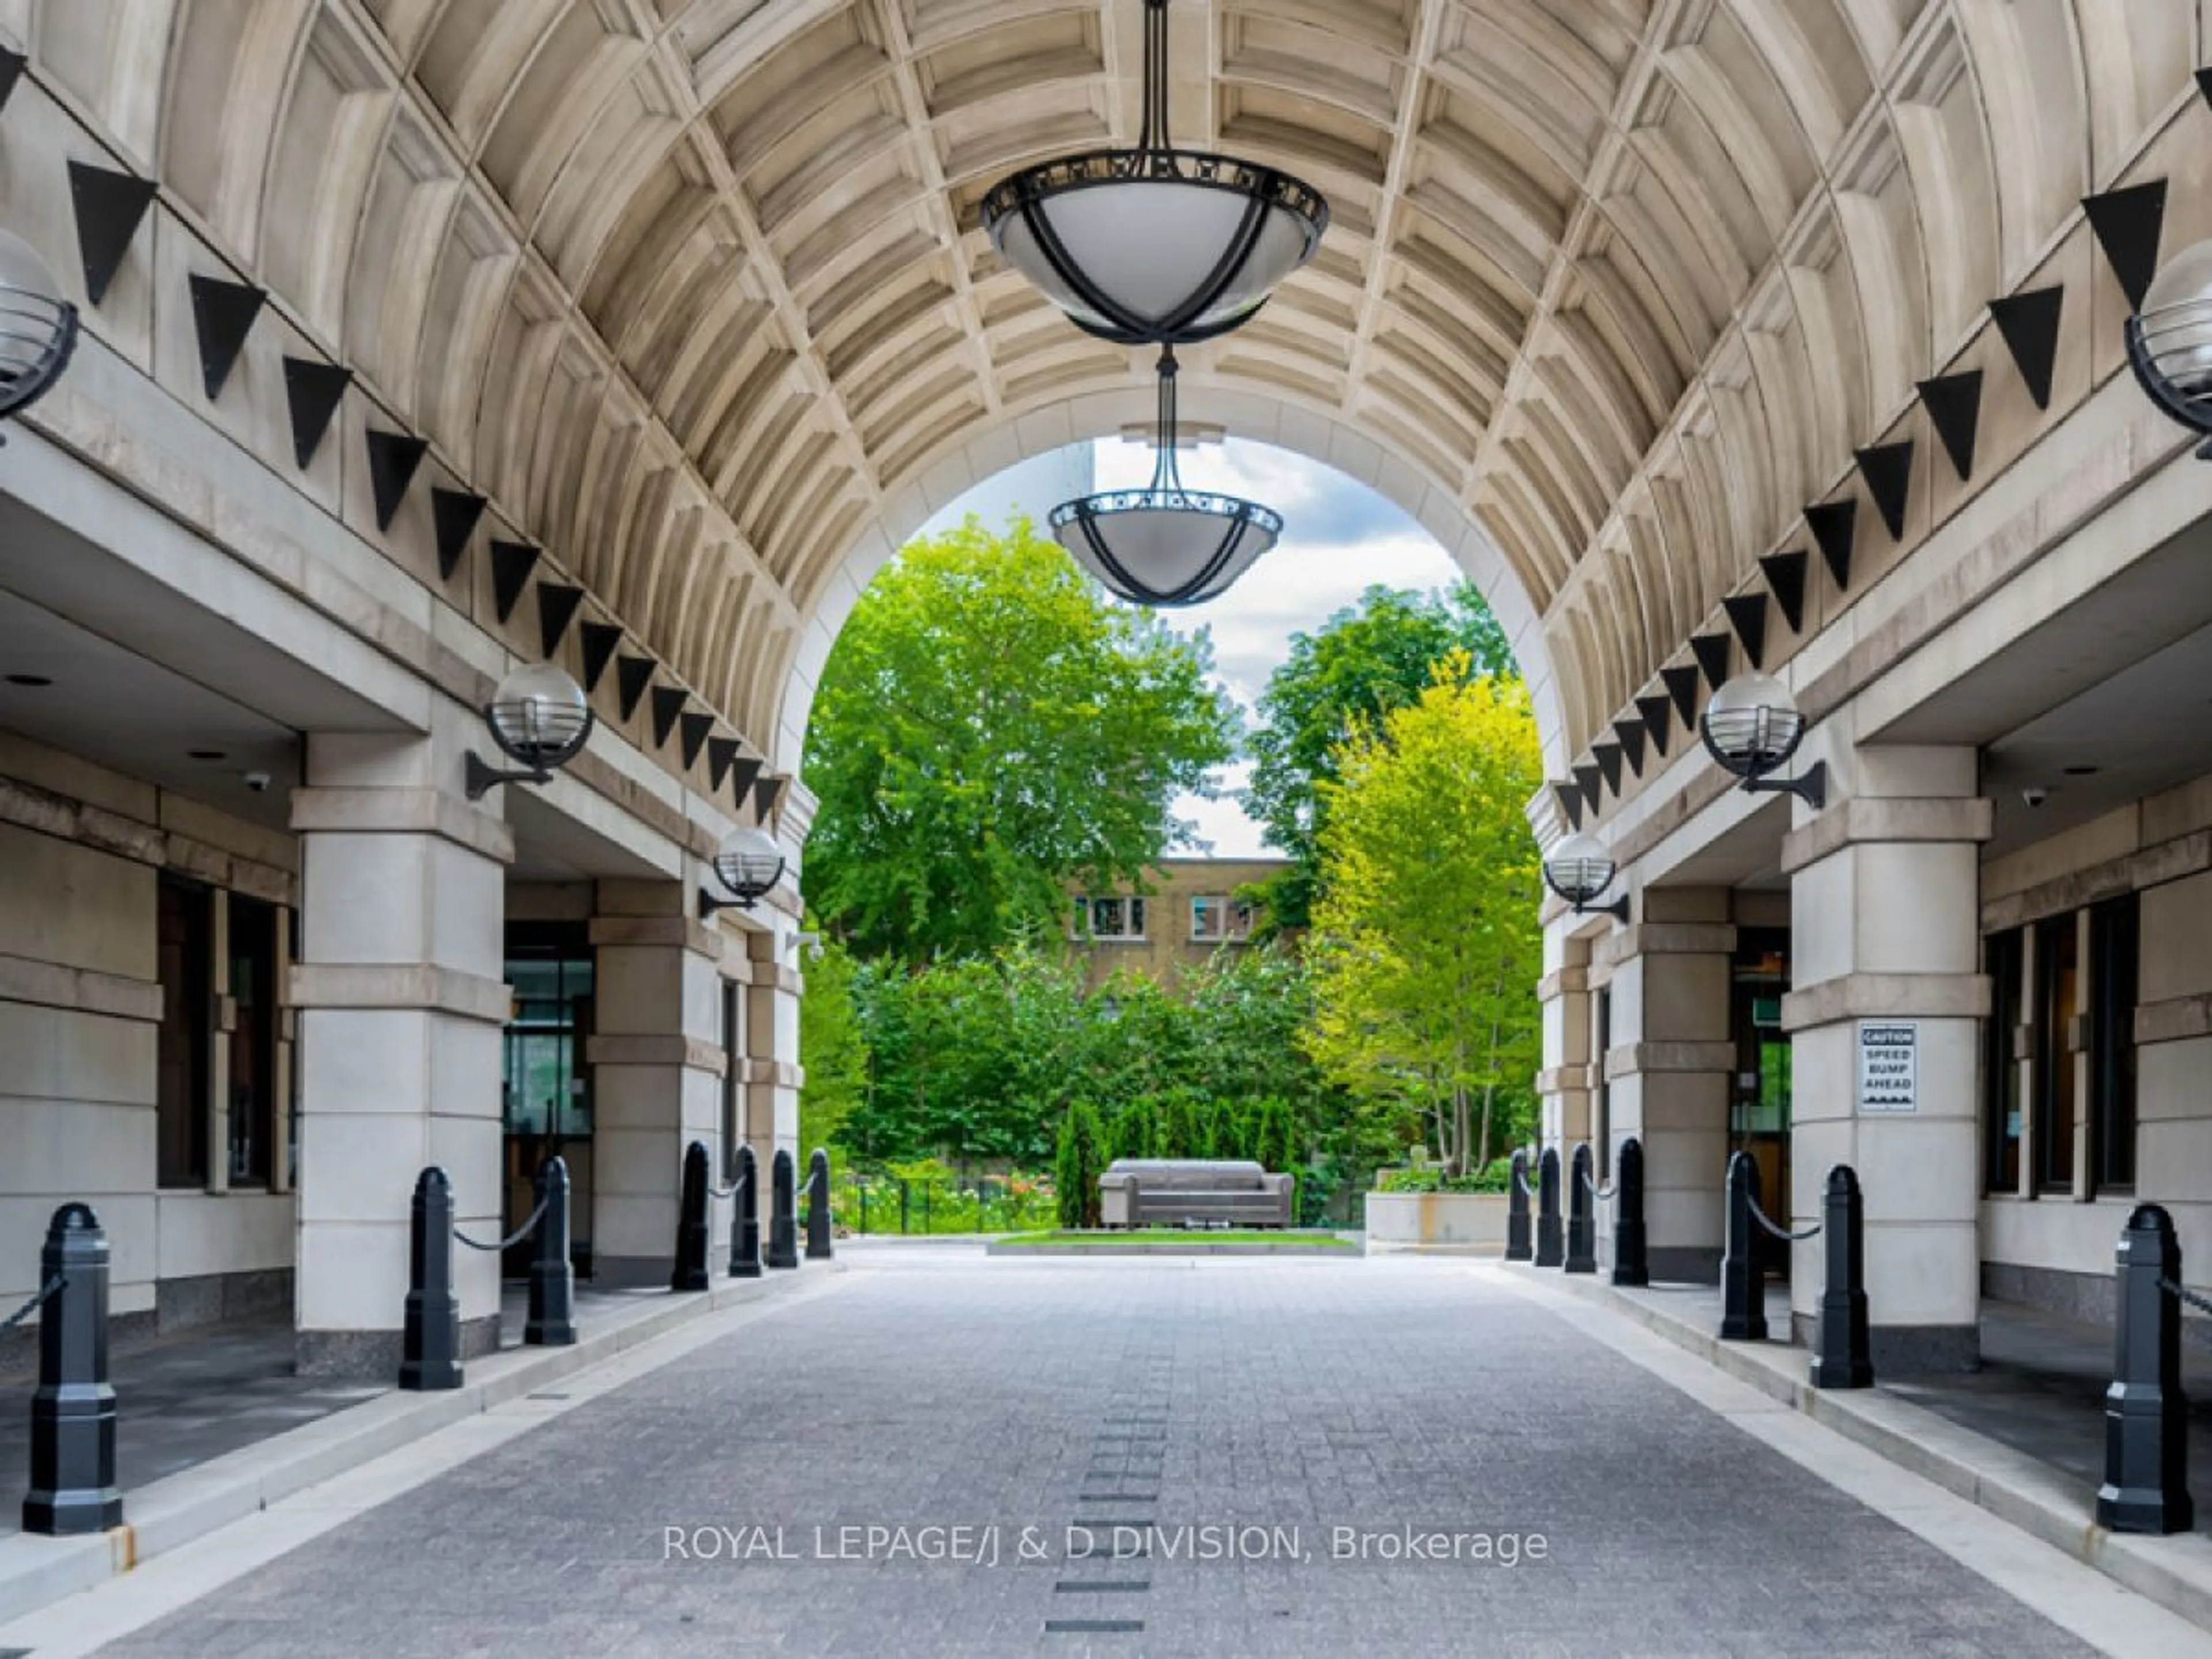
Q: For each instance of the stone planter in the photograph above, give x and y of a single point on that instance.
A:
(1470, 1222)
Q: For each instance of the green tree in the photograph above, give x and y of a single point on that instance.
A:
(1080, 1161)
(989, 728)
(833, 1051)
(1426, 948)
(1365, 661)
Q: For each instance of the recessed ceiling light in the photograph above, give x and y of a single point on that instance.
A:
(208, 754)
(29, 680)
(2082, 771)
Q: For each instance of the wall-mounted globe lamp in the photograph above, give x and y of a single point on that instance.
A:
(37, 327)
(1752, 727)
(1165, 546)
(1155, 246)
(2170, 341)
(749, 864)
(540, 719)
(1579, 870)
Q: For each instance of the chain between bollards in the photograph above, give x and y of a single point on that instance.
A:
(1604, 1195)
(2203, 1304)
(513, 1238)
(1777, 1230)
(718, 1194)
(51, 1287)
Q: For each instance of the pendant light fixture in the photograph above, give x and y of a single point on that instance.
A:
(1165, 545)
(1155, 246)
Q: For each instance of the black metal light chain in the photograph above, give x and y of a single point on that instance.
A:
(2203, 1304)
(1760, 1217)
(31, 1307)
(513, 1238)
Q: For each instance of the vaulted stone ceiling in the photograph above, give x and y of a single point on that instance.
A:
(693, 288)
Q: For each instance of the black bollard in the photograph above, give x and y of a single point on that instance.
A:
(782, 1215)
(817, 1207)
(1630, 1264)
(1517, 1247)
(552, 1323)
(73, 1411)
(1743, 1281)
(431, 1338)
(744, 1226)
(690, 1272)
(1581, 1221)
(2146, 1414)
(1844, 1354)
(1551, 1242)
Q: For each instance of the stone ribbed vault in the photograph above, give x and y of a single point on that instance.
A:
(695, 288)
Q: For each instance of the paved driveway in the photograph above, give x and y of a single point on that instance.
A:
(1232, 1457)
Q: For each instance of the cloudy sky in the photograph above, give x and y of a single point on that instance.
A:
(1338, 537)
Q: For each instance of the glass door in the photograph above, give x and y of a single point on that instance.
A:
(1759, 1113)
(547, 1085)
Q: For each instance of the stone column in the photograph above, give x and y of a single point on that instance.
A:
(772, 1044)
(1885, 893)
(1565, 1083)
(399, 997)
(657, 1067)
(1668, 1069)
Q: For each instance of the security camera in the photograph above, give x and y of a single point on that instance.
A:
(258, 782)
(2034, 795)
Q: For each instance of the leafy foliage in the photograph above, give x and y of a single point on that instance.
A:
(1426, 949)
(1364, 662)
(1078, 1162)
(988, 727)
(836, 1049)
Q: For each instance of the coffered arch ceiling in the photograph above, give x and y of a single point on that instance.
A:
(695, 288)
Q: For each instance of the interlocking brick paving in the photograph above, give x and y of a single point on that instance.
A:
(938, 1389)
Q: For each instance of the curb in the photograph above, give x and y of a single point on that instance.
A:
(2045, 1502)
(1346, 1252)
(37, 1571)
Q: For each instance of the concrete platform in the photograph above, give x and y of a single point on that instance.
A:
(192, 1460)
(1941, 1428)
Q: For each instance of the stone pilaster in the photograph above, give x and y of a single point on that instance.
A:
(657, 1069)
(400, 997)
(1884, 933)
(772, 1039)
(1564, 1085)
(1668, 1066)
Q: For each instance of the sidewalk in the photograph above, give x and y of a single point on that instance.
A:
(2009, 1438)
(214, 1430)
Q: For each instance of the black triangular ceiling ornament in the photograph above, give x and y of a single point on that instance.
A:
(1835, 526)
(1954, 409)
(455, 514)
(2029, 324)
(694, 727)
(511, 565)
(1785, 576)
(1629, 731)
(1608, 757)
(1570, 797)
(1887, 469)
(668, 703)
(223, 316)
(1680, 680)
(109, 206)
(11, 70)
(313, 391)
(393, 458)
(721, 752)
(743, 771)
(2204, 83)
(598, 640)
(2127, 222)
(1747, 614)
(557, 605)
(632, 676)
(1592, 783)
(1658, 712)
(1712, 651)
(768, 797)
